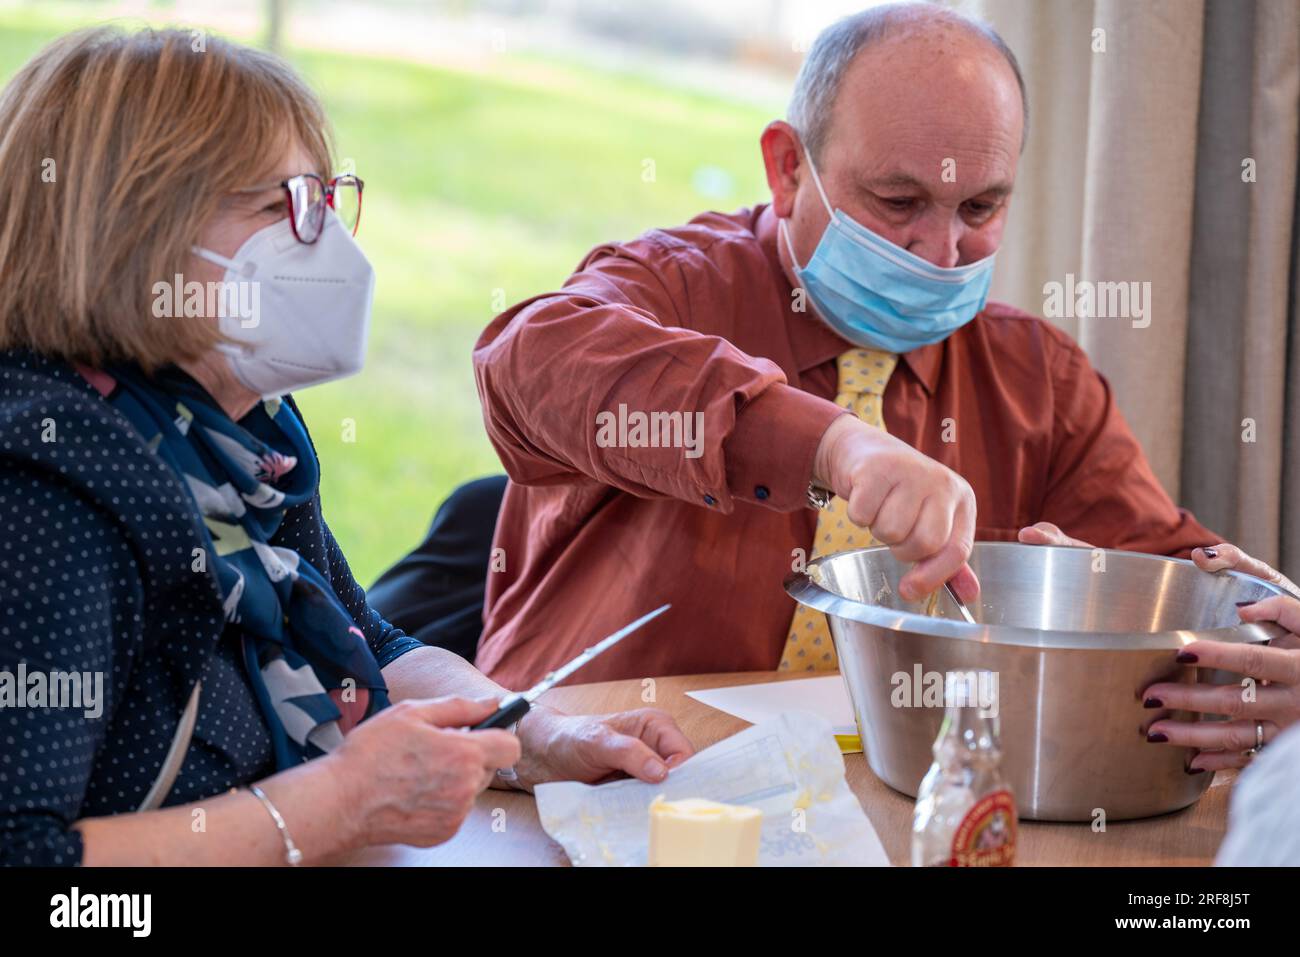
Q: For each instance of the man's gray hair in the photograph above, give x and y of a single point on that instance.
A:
(836, 46)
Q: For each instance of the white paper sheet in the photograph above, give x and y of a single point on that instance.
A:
(825, 696)
(787, 764)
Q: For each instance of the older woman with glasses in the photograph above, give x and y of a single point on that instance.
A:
(180, 635)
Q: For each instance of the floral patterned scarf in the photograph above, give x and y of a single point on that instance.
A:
(311, 669)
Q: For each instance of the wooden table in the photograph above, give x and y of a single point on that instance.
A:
(503, 829)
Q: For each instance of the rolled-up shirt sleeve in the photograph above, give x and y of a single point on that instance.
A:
(566, 379)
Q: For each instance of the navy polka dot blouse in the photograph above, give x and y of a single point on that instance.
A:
(98, 574)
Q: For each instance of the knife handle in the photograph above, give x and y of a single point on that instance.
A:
(513, 707)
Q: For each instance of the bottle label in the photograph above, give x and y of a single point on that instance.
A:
(986, 836)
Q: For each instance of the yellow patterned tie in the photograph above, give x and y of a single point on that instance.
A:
(863, 374)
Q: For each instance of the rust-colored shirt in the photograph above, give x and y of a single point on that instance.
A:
(599, 527)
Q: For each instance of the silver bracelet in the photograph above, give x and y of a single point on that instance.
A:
(292, 856)
(819, 496)
(509, 775)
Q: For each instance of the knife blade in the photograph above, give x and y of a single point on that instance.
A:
(515, 706)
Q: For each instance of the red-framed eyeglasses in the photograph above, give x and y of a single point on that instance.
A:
(310, 196)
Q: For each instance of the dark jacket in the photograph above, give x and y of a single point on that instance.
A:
(98, 539)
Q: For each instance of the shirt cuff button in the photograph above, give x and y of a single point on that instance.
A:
(761, 492)
(710, 500)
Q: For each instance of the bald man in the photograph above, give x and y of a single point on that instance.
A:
(674, 419)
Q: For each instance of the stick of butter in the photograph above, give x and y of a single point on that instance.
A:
(699, 833)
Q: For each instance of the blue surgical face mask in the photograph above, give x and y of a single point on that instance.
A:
(880, 296)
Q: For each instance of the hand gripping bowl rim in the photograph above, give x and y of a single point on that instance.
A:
(804, 590)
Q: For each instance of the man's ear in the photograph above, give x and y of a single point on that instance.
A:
(783, 161)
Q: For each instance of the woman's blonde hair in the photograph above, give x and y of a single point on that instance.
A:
(116, 148)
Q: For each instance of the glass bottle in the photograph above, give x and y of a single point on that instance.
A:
(965, 812)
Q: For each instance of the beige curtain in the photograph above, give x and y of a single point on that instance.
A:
(1147, 120)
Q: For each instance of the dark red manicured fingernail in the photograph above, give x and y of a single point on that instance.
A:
(1153, 703)
(1243, 604)
(1155, 737)
(1194, 770)
(1210, 552)
(1186, 658)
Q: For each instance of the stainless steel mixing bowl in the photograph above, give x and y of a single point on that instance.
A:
(1074, 637)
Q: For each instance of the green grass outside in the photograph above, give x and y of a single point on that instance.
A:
(475, 182)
